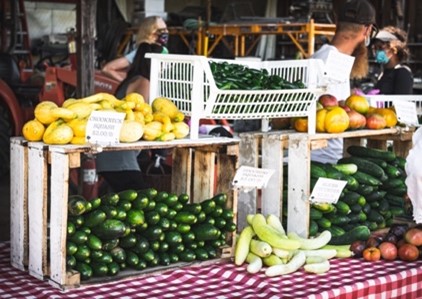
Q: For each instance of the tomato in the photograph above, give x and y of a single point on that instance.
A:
(413, 236)
(388, 251)
(371, 254)
(408, 252)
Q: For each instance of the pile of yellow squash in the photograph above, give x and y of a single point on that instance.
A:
(160, 121)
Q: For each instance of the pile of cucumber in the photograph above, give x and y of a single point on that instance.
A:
(145, 228)
(373, 196)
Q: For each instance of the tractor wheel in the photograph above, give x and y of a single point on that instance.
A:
(5, 134)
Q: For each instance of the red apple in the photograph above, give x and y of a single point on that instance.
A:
(342, 104)
(413, 236)
(328, 100)
(356, 120)
(388, 251)
(375, 122)
(408, 252)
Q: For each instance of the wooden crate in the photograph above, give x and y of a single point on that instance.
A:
(40, 184)
(300, 146)
(266, 150)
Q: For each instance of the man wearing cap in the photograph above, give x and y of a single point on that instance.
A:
(354, 29)
(390, 50)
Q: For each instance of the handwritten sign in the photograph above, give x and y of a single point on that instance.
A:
(251, 177)
(327, 190)
(103, 127)
(406, 112)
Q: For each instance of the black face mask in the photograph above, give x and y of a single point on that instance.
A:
(163, 38)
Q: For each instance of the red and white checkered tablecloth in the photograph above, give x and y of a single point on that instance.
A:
(347, 279)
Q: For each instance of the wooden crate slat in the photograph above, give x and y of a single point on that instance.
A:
(37, 210)
(203, 175)
(181, 171)
(58, 216)
(18, 204)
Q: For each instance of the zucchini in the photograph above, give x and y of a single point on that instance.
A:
(254, 263)
(312, 243)
(360, 232)
(260, 248)
(270, 235)
(365, 166)
(366, 179)
(297, 261)
(346, 168)
(361, 151)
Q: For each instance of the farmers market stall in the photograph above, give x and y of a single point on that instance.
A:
(347, 278)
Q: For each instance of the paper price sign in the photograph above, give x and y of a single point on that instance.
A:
(327, 190)
(251, 177)
(406, 112)
(103, 127)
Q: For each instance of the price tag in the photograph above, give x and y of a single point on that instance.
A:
(338, 67)
(251, 177)
(327, 190)
(103, 127)
(406, 112)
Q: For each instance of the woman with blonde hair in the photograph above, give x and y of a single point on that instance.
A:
(391, 52)
(117, 68)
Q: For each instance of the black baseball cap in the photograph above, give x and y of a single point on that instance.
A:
(359, 12)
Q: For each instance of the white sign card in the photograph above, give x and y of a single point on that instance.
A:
(338, 67)
(251, 177)
(406, 112)
(103, 127)
(327, 190)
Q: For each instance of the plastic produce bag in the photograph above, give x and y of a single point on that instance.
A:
(414, 176)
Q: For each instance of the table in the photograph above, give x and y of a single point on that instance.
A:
(347, 279)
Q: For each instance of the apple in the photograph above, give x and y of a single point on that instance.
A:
(375, 122)
(342, 104)
(328, 100)
(408, 252)
(356, 120)
(371, 254)
(413, 236)
(388, 251)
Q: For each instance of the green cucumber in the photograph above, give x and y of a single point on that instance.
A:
(317, 171)
(375, 216)
(342, 208)
(315, 214)
(324, 223)
(336, 231)
(361, 151)
(313, 228)
(376, 195)
(346, 168)
(393, 184)
(379, 162)
(395, 200)
(350, 197)
(206, 232)
(94, 218)
(392, 171)
(366, 189)
(360, 232)
(365, 166)
(339, 220)
(77, 205)
(129, 195)
(366, 179)
(110, 229)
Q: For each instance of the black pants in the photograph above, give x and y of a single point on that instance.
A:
(124, 180)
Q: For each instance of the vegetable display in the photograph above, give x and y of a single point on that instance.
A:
(374, 194)
(264, 243)
(145, 228)
(160, 121)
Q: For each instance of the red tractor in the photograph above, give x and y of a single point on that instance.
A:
(22, 87)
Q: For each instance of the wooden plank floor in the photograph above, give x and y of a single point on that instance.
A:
(4, 208)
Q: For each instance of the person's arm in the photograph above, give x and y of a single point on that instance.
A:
(116, 69)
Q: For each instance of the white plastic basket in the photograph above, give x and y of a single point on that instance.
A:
(188, 81)
(384, 101)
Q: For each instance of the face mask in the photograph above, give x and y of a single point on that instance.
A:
(381, 57)
(163, 38)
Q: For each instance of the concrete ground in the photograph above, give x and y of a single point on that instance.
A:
(4, 208)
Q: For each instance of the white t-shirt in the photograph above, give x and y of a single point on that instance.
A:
(413, 181)
(334, 150)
